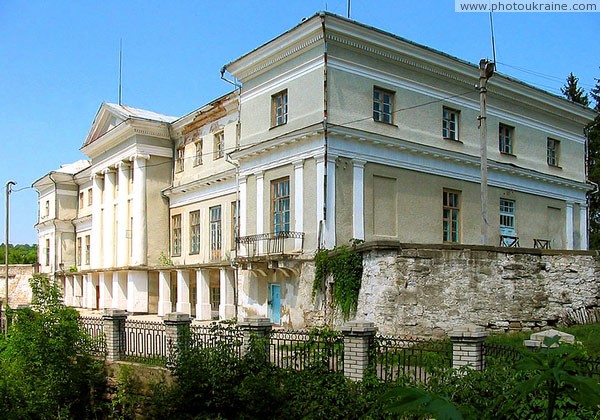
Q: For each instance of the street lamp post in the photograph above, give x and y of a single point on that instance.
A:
(9, 184)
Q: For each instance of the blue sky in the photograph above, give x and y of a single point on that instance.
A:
(59, 60)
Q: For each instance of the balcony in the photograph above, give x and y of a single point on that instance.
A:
(269, 244)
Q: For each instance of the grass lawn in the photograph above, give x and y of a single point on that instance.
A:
(588, 335)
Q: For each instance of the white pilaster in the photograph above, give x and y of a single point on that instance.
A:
(183, 292)
(330, 200)
(139, 228)
(242, 214)
(137, 291)
(90, 290)
(226, 307)
(320, 228)
(164, 292)
(298, 201)
(203, 309)
(96, 234)
(68, 292)
(108, 249)
(260, 217)
(569, 224)
(105, 279)
(77, 291)
(122, 215)
(358, 199)
(583, 226)
(119, 290)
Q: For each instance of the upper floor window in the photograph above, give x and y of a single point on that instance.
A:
(176, 235)
(89, 193)
(279, 108)
(451, 216)
(195, 232)
(87, 250)
(47, 251)
(280, 205)
(180, 159)
(81, 200)
(219, 146)
(450, 123)
(47, 208)
(215, 232)
(79, 254)
(235, 222)
(383, 105)
(505, 139)
(552, 151)
(198, 153)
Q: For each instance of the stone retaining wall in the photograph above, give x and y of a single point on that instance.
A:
(19, 291)
(429, 290)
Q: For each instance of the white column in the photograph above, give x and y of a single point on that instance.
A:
(77, 291)
(96, 234)
(320, 228)
(108, 222)
(183, 292)
(330, 221)
(137, 291)
(119, 290)
(583, 226)
(298, 201)
(358, 199)
(68, 292)
(569, 224)
(105, 280)
(260, 217)
(164, 292)
(203, 309)
(226, 307)
(90, 291)
(122, 214)
(139, 228)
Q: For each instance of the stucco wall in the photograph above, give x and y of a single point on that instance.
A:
(424, 290)
(19, 292)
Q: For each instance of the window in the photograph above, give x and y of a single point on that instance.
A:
(450, 123)
(47, 251)
(47, 208)
(89, 196)
(507, 217)
(176, 235)
(198, 153)
(279, 112)
(179, 162)
(81, 200)
(215, 298)
(87, 249)
(552, 150)
(219, 148)
(383, 105)
(235, 221)
(79, 254)
(280, 205)
(505, 139)
(195, 232)
(215, 232)
(451, 216)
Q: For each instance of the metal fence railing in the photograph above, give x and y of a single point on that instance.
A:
(94, 328)
(145, 341)
(395, 357)
(217, 336)
(301, 349)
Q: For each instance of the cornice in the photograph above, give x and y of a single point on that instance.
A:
(201, 183)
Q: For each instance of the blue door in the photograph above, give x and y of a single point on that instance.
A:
(275, 303)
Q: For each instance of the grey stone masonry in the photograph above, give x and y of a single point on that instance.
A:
(177, 326)
(358, 338)
(536, 340)
(114, 331)
(254, 327)
(467, 346)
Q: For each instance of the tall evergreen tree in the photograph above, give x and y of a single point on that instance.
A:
(595, 94)
(593, 138)
(573, 92)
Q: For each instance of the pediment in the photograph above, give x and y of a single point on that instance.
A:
(107, 118)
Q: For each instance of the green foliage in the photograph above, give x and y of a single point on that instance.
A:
(344, 264)
(593, 142)
(20, 254)
(46, 370)
(573, 92)
(407, 400)
(164, 260)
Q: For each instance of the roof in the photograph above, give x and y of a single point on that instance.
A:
(73, 168)
(130, 112)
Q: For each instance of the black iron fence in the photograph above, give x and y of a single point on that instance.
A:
(145, 341)
(216, 335)
(94, 327)
(270, 244)
(395, 357)
(301, 349)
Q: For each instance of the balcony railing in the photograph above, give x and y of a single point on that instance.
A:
(265, 244)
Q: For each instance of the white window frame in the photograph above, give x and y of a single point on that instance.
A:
(450, 123)
(506, 135)
(383, 105)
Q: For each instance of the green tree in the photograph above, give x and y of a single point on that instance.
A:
(20, 254)
(573, 92)
(593, 142)
(46, 370)
(595, 94)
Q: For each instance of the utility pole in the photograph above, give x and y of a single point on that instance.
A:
(9, 184)
(486, 70)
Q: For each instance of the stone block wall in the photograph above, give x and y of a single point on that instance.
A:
(429, 290)
(19, 291)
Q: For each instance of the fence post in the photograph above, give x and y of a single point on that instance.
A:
(467, 346)
(254, 327)
(358, 338)
(177, 327)
(114, 331)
